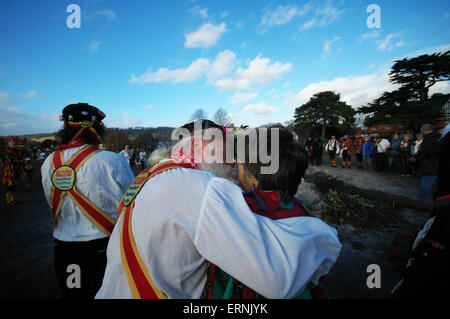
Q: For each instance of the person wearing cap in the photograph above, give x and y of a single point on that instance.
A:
(83, 186)
(427, 160)
(181, 214)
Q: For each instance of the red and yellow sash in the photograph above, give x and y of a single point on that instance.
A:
(63, 183)
(139, 279)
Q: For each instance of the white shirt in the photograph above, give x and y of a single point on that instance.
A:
(183, 217)
(331, 144)
(125, 153)
(383, 145)
(103, 179)
(142, 156)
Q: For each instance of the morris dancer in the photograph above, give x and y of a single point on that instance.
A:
(332, 149)
(12, 169)
(160, 246)
(358, 143)
(343, 151)
(83, 185)
(349, 146)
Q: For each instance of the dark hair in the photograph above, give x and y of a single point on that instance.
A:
(292, 164)
(443, 151)
(68, 132)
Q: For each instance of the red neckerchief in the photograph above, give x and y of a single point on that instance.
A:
(71, 145)
(443, 197)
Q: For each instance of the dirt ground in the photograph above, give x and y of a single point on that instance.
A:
(26, 250)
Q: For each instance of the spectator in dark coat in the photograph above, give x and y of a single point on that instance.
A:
(395, 153)
(317, 152)
(405, 154)
(425, 275)
(428, 160)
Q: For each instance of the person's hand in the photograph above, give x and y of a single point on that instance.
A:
(412, 159)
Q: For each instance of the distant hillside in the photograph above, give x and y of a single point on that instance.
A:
(39, 138)
(161, 133)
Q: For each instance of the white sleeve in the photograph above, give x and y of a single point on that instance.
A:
(276, 258)
(124, 174)
(46, 177)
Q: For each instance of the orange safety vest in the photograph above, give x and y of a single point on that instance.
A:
(139, 279)
(63, 183)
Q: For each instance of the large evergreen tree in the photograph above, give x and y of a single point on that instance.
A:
(411, 103)
(324, 110)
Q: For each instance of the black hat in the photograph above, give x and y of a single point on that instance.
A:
(82, 112)
(205, 124)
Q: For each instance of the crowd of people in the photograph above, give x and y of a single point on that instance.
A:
(401, 155)
(136, 157)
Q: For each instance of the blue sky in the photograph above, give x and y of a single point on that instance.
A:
(153, 63)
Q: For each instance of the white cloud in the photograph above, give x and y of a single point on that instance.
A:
(194, 71)
(223, 63)
(439, 87)
(206, 36)
(29, 95)
(125, 113)
(375, 34)
(388, 42)
(240, 97)
(323, 16)
(282, 15)
(94, 46)
(327, 46)
(287, 93)
(148, 107)
(16, 121)
(260, 109)
(121, 122)
(259, 71)
(202, 12)
(355, 90)
(107, 13)
(428, 50)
